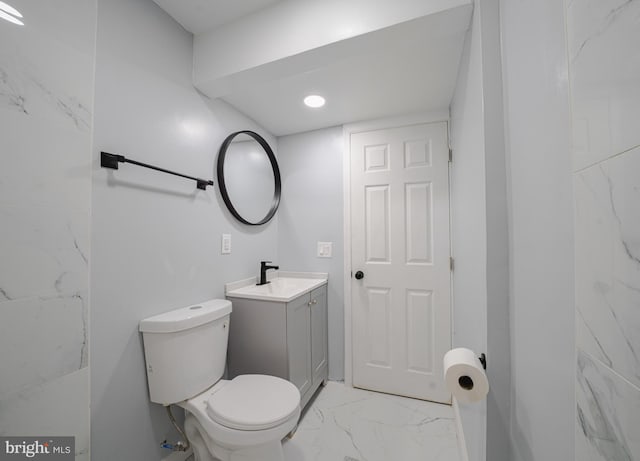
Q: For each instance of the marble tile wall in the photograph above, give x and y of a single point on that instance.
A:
(603, 38)
(46, 97)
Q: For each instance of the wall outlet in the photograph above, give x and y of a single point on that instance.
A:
(226, 244)
(325, 249)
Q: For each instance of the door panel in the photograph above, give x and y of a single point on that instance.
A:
(419, 321)
(377, 223)
(378, 332)
(419, 235)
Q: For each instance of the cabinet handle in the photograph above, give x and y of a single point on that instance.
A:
(311, 303)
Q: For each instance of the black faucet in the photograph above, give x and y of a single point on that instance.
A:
(263, 272)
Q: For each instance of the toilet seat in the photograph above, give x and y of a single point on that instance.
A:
(253, 402)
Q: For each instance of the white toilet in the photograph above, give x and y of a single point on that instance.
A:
(244, 419)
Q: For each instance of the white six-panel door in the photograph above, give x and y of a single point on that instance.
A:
(401, 321)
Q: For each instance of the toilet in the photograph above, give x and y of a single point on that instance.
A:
(243, 419)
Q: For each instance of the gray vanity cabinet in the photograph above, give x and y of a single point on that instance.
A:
(288, 340)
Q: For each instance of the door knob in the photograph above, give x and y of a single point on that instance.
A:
(359, 275)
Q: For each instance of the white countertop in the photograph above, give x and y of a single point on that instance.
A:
(283, 287)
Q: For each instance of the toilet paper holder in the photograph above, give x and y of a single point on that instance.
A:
(483, 360)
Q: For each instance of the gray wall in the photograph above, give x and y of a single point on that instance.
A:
(541, 239)
(46, 107)
(312, 211)
(498, 333)
(479, 230)
(155, 238)
(469, 224)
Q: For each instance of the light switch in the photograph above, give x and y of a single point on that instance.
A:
(226, 244)
(325, 249)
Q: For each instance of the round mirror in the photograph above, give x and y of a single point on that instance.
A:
(249, 177)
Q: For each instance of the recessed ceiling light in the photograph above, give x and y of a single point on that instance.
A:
(314, 101)
(9, 13)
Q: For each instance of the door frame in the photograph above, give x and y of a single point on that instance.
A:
(347, 131)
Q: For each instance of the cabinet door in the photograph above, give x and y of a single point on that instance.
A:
(299, 343)
(319, 334)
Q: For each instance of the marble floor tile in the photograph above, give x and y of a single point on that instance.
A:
(346, 424)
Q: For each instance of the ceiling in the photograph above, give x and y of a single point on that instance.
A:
(406, 68)
(396, 73)
(199, 16)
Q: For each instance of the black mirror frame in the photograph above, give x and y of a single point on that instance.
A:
(276, 177)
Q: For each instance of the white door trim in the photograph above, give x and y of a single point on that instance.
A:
(347, 131)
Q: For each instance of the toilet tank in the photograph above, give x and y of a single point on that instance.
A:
(185, 350)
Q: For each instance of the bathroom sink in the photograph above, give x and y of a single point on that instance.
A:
(282, 286)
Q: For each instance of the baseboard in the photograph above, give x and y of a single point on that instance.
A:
(462, 444)
(178, 456)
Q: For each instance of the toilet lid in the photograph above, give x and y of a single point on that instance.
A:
(254, 402)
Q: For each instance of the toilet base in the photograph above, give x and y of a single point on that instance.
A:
(205, 449)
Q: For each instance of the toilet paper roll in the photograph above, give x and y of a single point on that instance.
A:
(464, 375)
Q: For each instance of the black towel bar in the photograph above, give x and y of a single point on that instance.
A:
(108, 160)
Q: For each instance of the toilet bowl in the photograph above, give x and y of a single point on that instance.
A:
(244, 419)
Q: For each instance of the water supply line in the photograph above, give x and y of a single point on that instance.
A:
(179, 446)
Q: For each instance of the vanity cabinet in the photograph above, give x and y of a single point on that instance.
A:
(285, 339)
